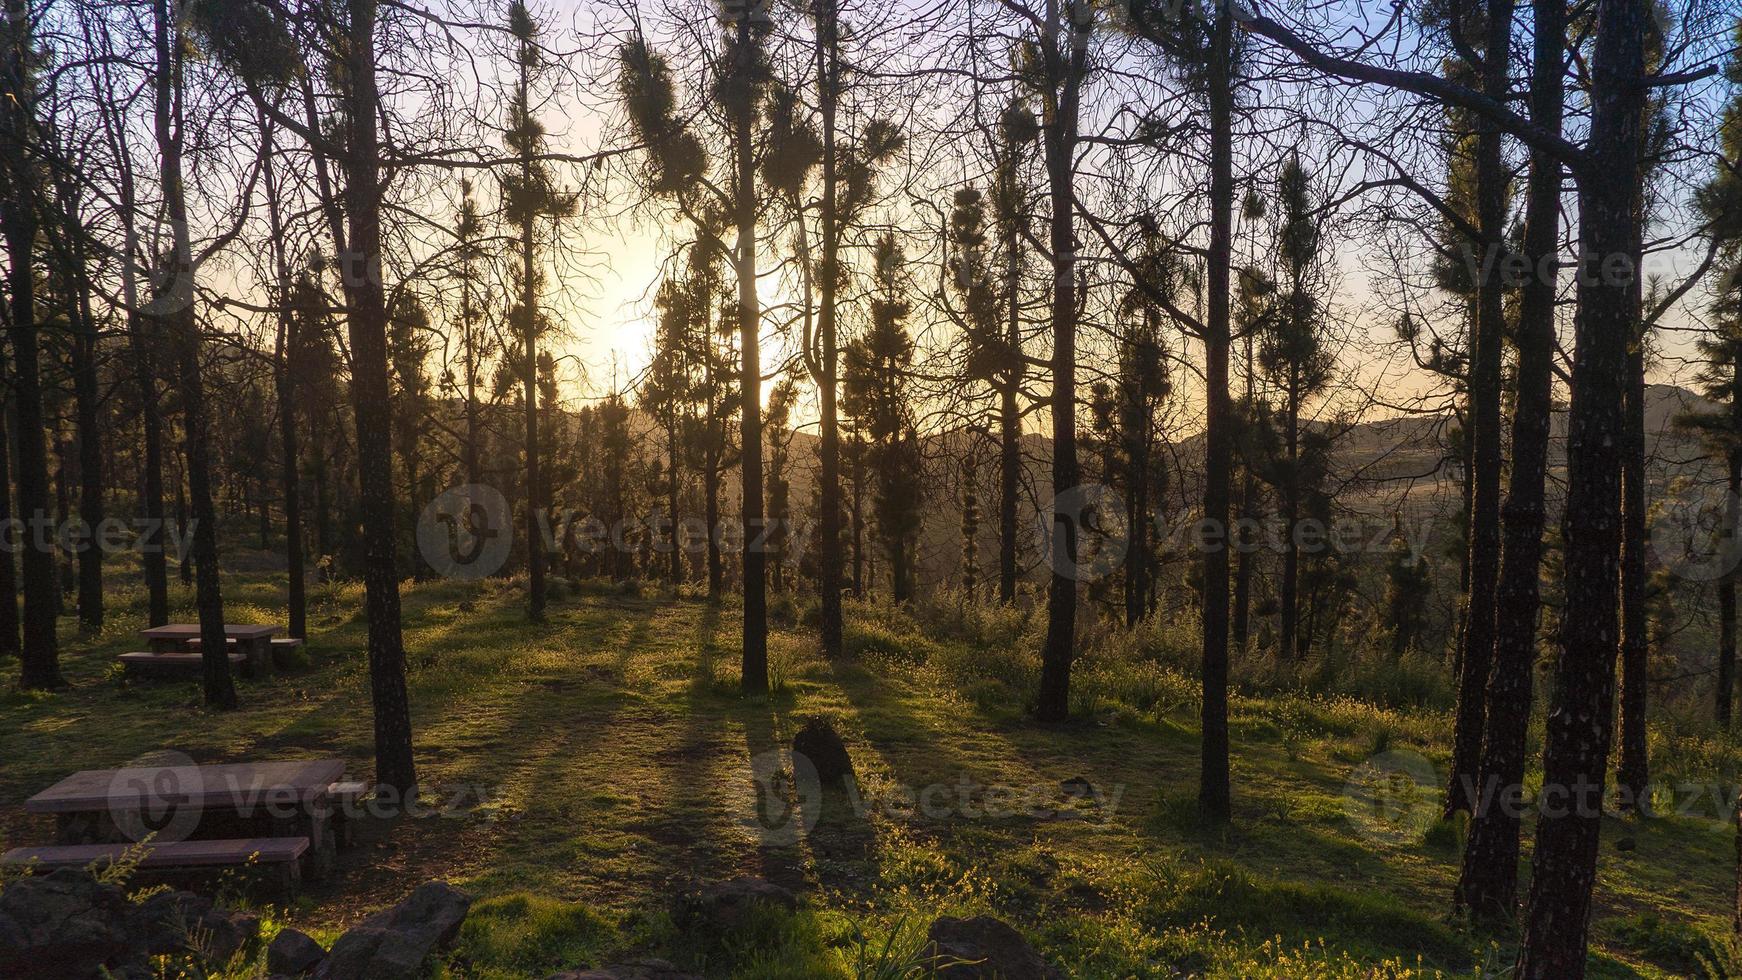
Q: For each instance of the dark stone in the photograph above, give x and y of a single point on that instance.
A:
(727, 906)
(1626, 844)
(821, 744)
(66, 923)
(167, 922)
(293, 954)
(394, 944)
(633, 970)
(983, 948)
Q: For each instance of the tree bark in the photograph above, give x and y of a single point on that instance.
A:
(754, 668)
(9, 642)
(41, 655)
(1633, 772)
(90, 434)
(1476, 653)
(1488, 878)
(367, 321)
(829, 449)
(1726, 686)
(1575, 755)
(1214, 795)
(175, 297)
(1065, 76)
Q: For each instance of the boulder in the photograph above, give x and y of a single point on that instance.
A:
(293, 954)
(822, 745)
(633, 970)
(66, 923)
(983, 948)
(394, 944)
(727, 906)
(169, 922)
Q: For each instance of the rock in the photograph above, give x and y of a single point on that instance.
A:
(633, 970)
(821, 744)
(393, 945)
(984, 948)
(726, 907)
(1626, 844)
(169, 922)
(66, 923)
(293, 954)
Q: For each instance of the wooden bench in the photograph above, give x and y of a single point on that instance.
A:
(281, 854)
(171, 664)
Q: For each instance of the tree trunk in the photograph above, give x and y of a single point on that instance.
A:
(367, 320)
(1476, 653)
(1060, 139)
(90, 436)
(1288, 592)
(143, 341)
(175, 297)
(9, 643)
(1633, 772)
(754, 673)
(1009, 412)
(529, 391)
(1214, 794)
(1564, 865)
(829, 448)
(1488, 878)
(41, 657)
(1726, 691)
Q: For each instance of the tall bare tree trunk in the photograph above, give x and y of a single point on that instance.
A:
(90, 433)
(1476, 652)
(367, 302)
(1488, 879)
(1726, 686)
(1214, 794)
(175, 297)
(1564, 864)
(829, 450)
(1634, 771)
(1064, 84)
(41, 653)
(9, 642)
(754, 675)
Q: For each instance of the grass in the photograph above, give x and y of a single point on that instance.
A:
(581, 772)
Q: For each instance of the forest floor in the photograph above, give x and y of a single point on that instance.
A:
(581, 772)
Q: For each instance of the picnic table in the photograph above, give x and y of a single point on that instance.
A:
(254, 643)
(281, 812)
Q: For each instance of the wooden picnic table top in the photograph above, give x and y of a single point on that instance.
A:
(191, 631)
(234, 786)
